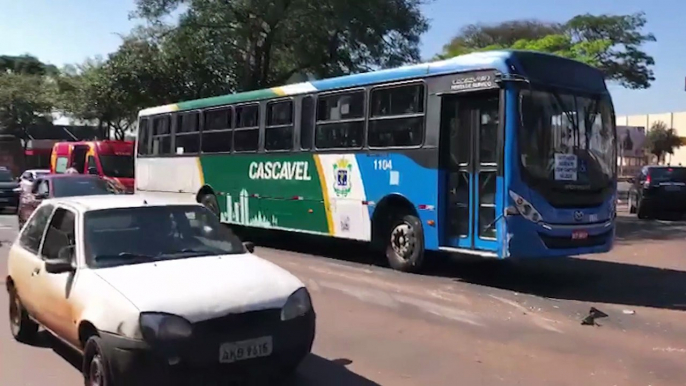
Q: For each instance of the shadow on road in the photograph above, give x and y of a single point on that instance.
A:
(631, 229)
(314, 371)
(562, 278)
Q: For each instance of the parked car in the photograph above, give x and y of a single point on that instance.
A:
(29, 176)
(9, 189)
(60, 185)
(658, 189)
(150, 291)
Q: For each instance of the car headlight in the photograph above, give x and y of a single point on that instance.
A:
(298, 304)
(164, 327)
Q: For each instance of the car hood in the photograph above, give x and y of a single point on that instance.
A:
(204, 287)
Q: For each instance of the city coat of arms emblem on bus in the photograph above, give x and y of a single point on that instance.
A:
(341, 171)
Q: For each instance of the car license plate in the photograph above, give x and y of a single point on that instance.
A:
(579, 235)
(246, 349)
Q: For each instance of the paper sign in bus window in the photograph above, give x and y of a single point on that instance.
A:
(565, 167)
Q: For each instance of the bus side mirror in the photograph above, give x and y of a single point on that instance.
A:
(92, 170)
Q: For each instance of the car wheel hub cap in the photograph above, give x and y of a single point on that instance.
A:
(402, 240)
(96, 373)
(15, 314)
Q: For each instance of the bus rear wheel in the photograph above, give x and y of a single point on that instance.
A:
(210, 202)
(405, 244)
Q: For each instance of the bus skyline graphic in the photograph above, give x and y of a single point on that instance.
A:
(239, 212)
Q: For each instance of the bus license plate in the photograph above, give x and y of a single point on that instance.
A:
(247, 349)
(579, 235)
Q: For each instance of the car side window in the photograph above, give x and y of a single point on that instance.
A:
(43, 188)
(35, 186)
(60, 233)
(32, 234)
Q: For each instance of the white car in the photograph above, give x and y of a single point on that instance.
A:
(28, 177)
(152, 290)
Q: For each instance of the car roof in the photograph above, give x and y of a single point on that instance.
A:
(60, 176)
(38, 170)
(115, 201)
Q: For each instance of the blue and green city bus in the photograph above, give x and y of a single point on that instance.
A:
(504, 154)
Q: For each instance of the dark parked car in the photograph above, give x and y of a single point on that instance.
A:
(9, 189)
(60, 185)
(658, 189)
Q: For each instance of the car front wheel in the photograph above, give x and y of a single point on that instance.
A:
(22, 327)
(96, 370)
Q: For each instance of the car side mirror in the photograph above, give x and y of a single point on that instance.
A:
(63, 263)
(41, 196)
(249, 246)
(93, 170)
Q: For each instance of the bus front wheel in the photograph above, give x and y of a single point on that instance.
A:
(210, 202)
(405, 244)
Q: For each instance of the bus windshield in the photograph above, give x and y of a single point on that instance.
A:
(567, 140)
(118, 166)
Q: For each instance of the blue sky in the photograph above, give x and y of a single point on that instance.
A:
(68, 31)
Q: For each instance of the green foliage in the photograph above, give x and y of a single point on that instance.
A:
(25, 100)
(26, 65)
(610, 42)
(662, 140)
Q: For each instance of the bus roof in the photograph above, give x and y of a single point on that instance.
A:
(503, 61)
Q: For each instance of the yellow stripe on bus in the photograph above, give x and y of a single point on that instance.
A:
(325, 193)
(201, 175)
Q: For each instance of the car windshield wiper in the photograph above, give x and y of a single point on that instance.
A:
(191, 251)
(125, 255)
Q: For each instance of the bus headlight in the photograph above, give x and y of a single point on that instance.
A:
(525, 208)
(164, 327)
(298, 304)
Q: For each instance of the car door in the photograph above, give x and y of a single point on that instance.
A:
(56, 288)
(24, 263)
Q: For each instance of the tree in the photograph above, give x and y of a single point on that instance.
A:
(248, 45)
(25, 100)
(662, 140)
(25, 64)
(610, 42)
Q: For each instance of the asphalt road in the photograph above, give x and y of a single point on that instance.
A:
(463, 322)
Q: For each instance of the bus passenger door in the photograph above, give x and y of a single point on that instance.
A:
(469, 158)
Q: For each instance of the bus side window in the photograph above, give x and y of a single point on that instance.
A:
(187, 136)
(217, 133)
(143, 137)
(396, 116)
(278, 132)
(246, 137)
(340, 121)
(307, 120)
(161, 136)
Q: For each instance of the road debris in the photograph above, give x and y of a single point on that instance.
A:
(628, 312)
(593, 314)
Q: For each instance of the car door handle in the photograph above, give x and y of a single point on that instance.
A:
(35, 272)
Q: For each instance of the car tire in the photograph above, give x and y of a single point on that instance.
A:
(22, 327)
(642, 212)
(96, 364)
(632, 205)
(210, 202)
(405, 244)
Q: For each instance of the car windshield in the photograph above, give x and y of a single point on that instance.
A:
(79, 186)
(567, 139)
(6, 176)
(118, 166)
(126, 236)
(658, 175)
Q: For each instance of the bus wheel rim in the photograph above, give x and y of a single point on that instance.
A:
(402, 240)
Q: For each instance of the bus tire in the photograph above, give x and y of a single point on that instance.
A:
(210, 202)
(405, 244)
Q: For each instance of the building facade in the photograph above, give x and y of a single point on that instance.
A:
(675, 120)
